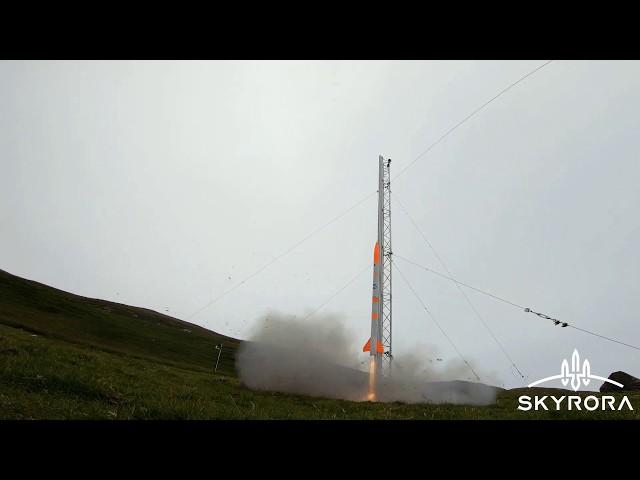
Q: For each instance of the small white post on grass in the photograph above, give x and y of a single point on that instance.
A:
(219, 348)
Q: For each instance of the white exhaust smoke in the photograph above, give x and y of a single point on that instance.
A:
(320, 357)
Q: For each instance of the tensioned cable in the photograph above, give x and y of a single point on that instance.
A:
(275, 259)
(339, 291)
(526, 309)
(457, 281)
(602, 336)
(448, 132)
(296, 245)
(466, 297)
(434, 320)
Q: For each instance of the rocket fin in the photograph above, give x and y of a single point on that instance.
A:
(376, 253)
(367, 347)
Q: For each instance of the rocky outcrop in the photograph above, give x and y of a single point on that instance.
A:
(629, 382)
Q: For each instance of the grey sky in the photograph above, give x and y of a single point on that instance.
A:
(152, 183)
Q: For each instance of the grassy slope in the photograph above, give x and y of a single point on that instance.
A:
(66, 357)
(108, 326)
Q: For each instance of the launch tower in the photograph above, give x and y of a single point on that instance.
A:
(379, 344)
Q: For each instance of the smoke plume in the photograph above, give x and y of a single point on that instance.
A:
(320, 357)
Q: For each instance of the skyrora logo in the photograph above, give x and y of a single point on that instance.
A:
(577, 375)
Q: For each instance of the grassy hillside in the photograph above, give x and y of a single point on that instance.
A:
(109, 326)
(68, 357)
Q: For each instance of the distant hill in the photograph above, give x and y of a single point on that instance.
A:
(110, 326)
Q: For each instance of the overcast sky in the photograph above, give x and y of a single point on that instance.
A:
(163, 184)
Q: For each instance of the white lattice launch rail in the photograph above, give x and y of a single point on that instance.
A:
(379, 344)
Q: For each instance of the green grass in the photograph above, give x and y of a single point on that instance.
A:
(109, 326)
(83, 362)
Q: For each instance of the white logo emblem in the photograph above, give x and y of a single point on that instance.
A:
(575, 375)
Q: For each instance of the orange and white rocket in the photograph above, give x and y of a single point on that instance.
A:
(374, 345)
(376, 325)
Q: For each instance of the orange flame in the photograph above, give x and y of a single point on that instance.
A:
(372, 379)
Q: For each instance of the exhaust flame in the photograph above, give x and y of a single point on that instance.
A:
(372, 379)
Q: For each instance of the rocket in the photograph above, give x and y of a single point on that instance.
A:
(376, 330)
(374, 345)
